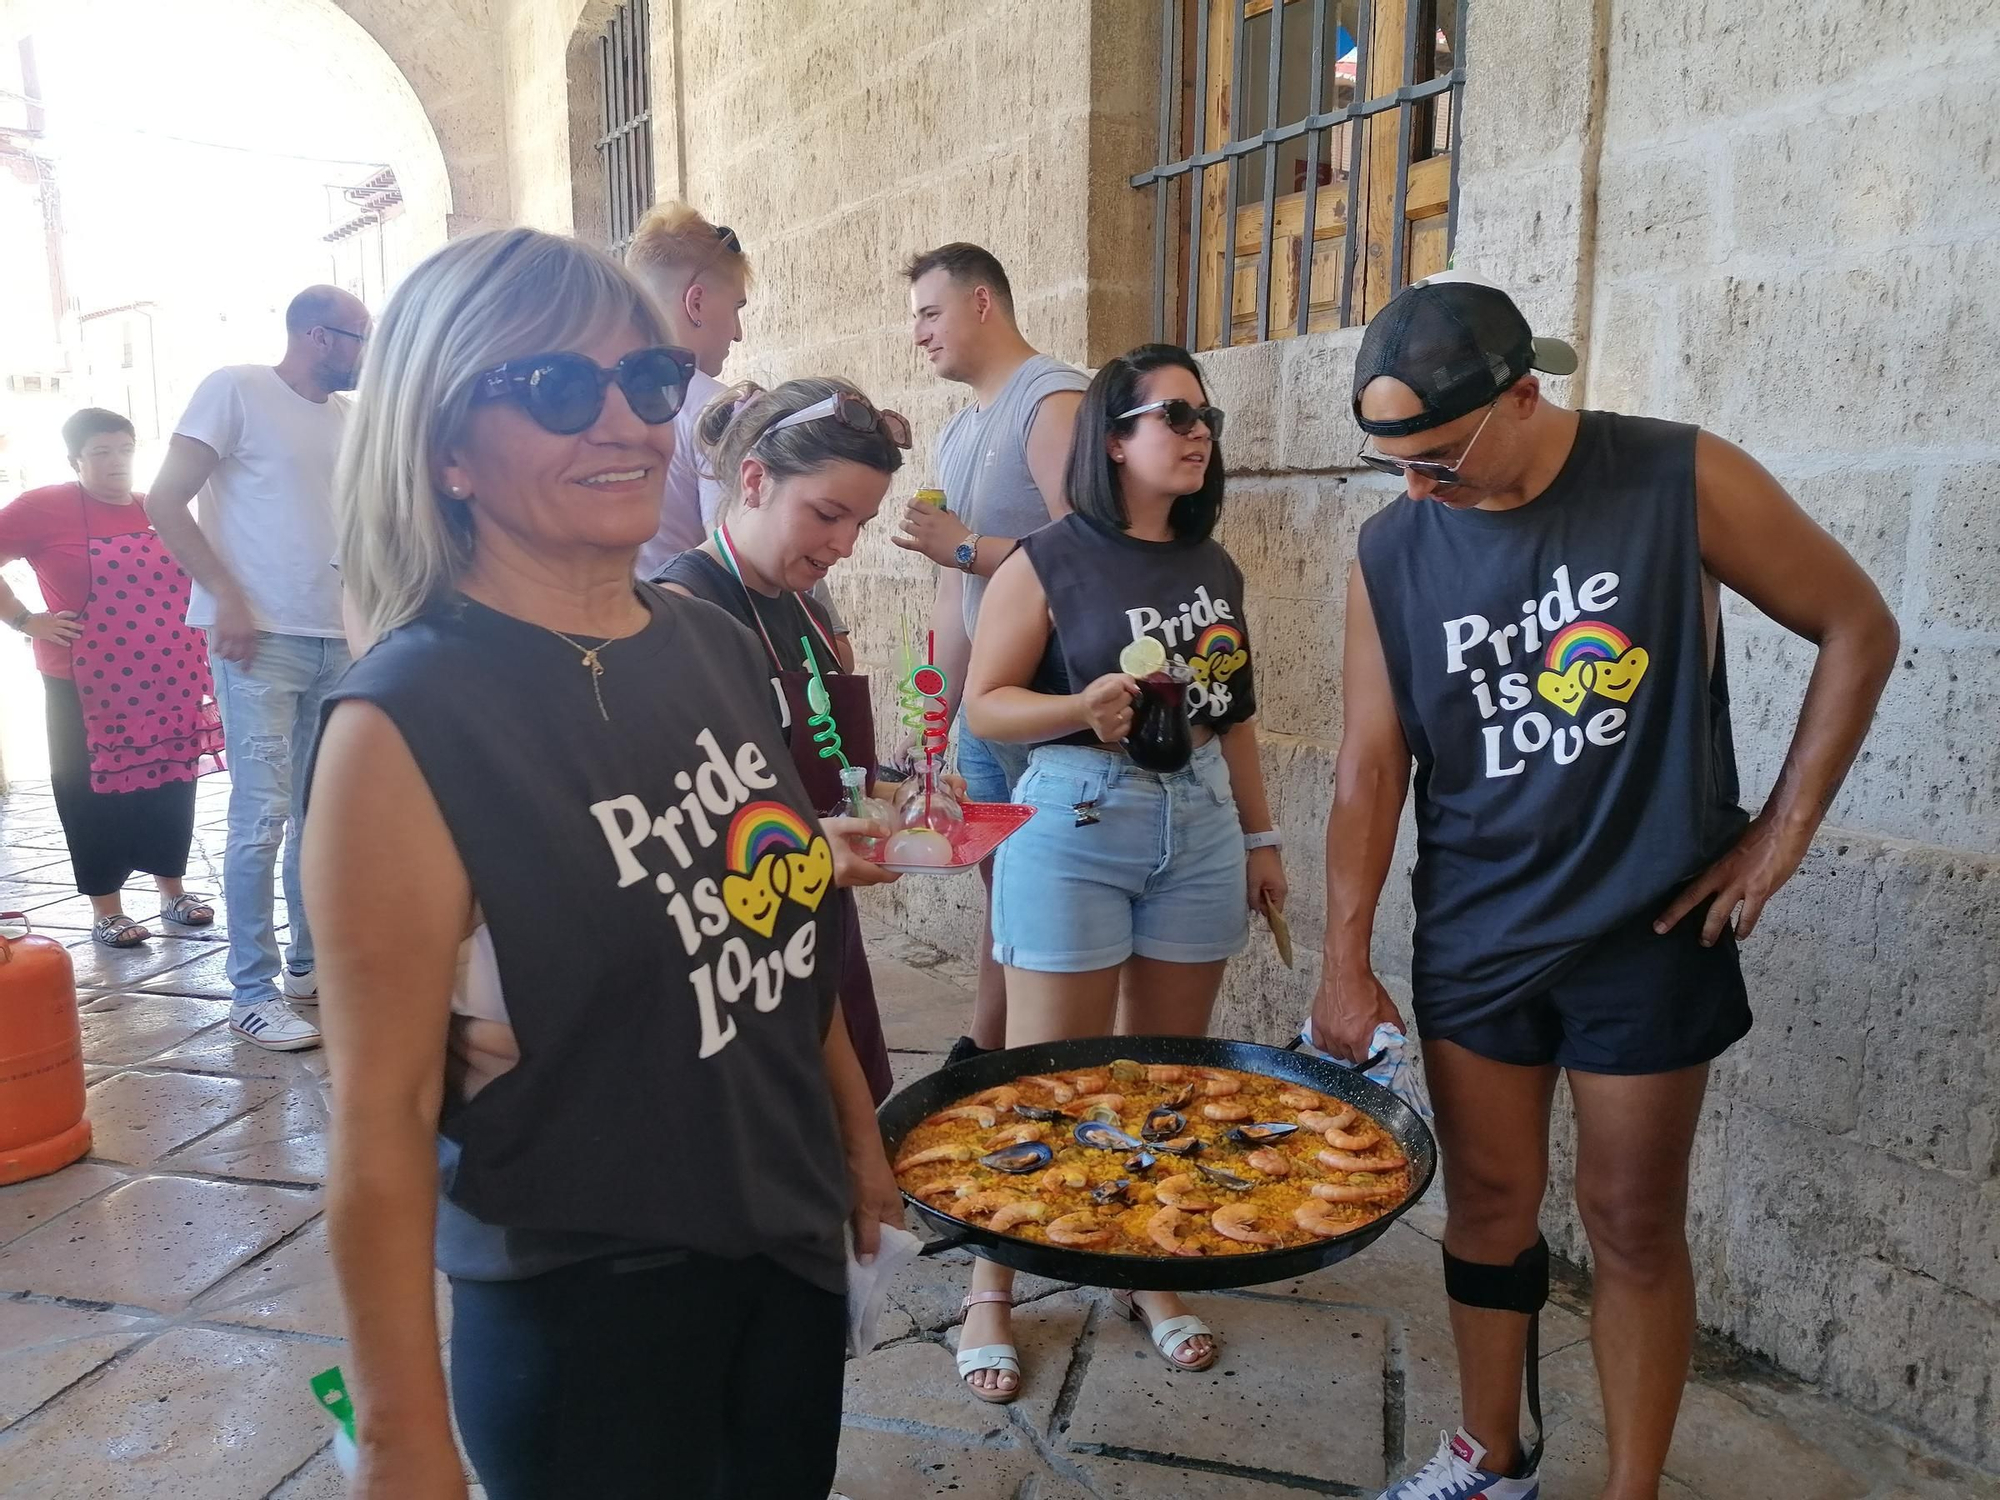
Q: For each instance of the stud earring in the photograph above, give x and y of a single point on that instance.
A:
(456, 491)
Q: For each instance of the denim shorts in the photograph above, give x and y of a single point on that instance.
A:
(1160, 873)
(990, 767)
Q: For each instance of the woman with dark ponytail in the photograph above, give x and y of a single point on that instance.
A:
(802, 468)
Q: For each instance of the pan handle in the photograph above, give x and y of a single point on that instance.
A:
(1298, 1041)
(943, 1243)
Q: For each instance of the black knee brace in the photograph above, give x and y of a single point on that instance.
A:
(1522, 1287)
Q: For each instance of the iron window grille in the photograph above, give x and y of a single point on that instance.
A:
(626, 146)
(1360, 101)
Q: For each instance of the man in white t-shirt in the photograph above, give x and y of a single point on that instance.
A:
(700, 277)
(258, 444)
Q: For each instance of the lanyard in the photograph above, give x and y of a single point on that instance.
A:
(722, 542)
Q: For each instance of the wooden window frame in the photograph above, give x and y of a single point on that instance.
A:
(1405, 208)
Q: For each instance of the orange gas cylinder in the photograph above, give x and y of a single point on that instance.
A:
(41, 1056)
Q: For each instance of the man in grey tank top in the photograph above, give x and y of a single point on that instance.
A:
(1537, 629)
(1000, 464)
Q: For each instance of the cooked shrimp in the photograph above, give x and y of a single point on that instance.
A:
(947, 1188)
(1013, 1135)
(1319, 1121)
(936, 1153)
(1113, 1102)
(1180, 1192)
(986, 1118)
(1055, 1088)
(1299, 1099)
(1021, 1211)
(1340, 1161)
(1088, 1083)
(1239, 1222)
(1352, 1192)
(1166, 1073)
(1165, 1229)
(977, 1204)
(1217, 1085)
(1227, 1112)
(1004, 1097)
(1270, 1163)
(1355, 1140)
(1322, 1219)
(1342, 1115)
(1058, 1178)
(1077, 1229)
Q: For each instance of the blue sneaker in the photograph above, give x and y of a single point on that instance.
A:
(1455, 1474)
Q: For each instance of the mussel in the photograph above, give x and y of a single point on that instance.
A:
(1103, 1114)
(1127, 1071)
(1027, 1156)
(1186, 1145)
(1260, 1135)
(1100, 1136)
(1036, 1112)
(1224, 1179)
(1140, 1162)
(1163, 1124)
(1110, 1192)
(1185, 1097)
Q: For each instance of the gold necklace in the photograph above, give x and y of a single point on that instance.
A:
(590, 661)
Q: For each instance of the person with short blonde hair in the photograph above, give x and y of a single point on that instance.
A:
(578, 934)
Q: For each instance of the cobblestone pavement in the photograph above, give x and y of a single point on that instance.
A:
(163, 1304)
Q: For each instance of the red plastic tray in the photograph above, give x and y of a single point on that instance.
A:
(988, 825)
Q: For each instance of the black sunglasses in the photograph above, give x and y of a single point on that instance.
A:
(1436, 471)
(729, 240)
(1180, 416)
(564, 393)
(852, 412)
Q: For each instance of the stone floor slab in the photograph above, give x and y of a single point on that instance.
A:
(46, 1347)
(920, 1012)
(130, 1028)
(1118, 1479)
(282, 1141)
(241, 1418)
(1298, 1391)
(207, 977)
(27, 1205)
(918, 1383)
(899, 1466)
(932, 1290)
(138, 1116)
(290, 1289)
(153, 1242)
(101, 968)
(220, 1050)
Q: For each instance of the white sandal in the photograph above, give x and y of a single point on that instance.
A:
(1002, 1357)
(1171, 1335)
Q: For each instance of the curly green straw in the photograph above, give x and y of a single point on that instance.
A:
(825, 734)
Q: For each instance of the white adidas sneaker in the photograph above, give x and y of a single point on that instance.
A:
(1454, 1474)
(274, 1026)
(301, 989)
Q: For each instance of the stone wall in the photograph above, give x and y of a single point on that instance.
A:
(1778, 225)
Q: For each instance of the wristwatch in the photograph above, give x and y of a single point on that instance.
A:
(20, 619)
(1270, 838)
(966, 553)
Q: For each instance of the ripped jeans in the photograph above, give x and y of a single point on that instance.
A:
(270, 716)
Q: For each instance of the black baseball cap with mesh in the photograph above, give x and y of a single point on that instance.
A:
(1458, 343)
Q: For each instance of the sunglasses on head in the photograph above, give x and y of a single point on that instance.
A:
(729, 240)
(852, 412)
(564, 393)
(1180, 416)
(1445, 474)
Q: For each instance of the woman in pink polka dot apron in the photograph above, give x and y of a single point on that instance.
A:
(131, 714)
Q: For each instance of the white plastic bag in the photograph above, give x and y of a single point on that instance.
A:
(1395, 1068)
(868, 1286)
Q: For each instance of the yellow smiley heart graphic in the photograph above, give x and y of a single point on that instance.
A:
(1617, 679)
(1567, 690)
(1199, 668)
(1222, 668)
(753, 899)
(809, 875)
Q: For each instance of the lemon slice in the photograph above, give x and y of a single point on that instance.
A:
(1143, 657)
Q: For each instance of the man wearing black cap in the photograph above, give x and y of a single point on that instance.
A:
(1537, 627)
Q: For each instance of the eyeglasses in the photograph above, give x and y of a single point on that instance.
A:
(1180, 416)
(564, 393)
(1425, 468)
(359, 338)
(852, 412)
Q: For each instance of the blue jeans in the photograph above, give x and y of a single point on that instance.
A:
(270, 716)
(990, 767)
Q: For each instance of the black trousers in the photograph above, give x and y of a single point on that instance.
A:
(696, 1379)
(111, 834)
